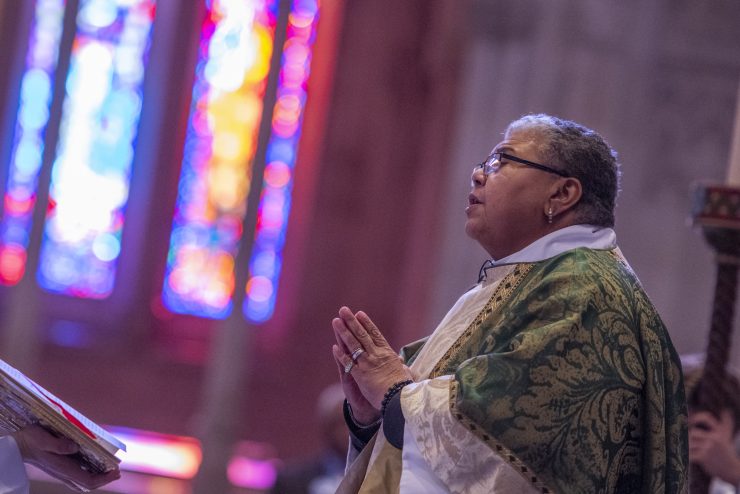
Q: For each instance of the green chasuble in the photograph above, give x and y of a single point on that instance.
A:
(569, 375)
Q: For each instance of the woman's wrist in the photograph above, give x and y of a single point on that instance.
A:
(359, 434)
(392, 391)
(362, 422)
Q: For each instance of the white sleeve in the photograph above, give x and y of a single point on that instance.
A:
(437, 447)
(13, 478)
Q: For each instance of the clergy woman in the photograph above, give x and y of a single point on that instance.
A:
(554, 374)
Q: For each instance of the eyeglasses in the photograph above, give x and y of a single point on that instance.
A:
(493, 164)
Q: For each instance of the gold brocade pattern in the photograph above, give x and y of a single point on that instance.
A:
(500, 296)
(501, 450)
(567, 373)
(575, 381)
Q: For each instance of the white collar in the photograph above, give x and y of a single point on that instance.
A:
(563, 240)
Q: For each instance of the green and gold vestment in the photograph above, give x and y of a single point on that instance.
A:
(568, 375)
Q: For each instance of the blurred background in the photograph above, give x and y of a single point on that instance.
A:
(192, 189)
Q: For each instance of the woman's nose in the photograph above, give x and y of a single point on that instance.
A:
(478, 178)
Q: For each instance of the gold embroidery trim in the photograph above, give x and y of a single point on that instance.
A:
(502, 451)
(500, 295)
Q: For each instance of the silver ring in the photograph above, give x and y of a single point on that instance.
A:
(356, 354)
(348, 366)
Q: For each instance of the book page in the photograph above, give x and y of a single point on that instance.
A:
(24, 402)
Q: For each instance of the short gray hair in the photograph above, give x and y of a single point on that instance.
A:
(583, 154)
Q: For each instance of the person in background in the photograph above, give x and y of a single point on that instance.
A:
(38, 447)
(322, 474)
(714, 442)
(554, 373)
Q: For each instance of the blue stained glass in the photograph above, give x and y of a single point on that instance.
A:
(106, 247)
(259, 311)
(15, 233)
(36, 86)
(97, 14)
(281, 151)
(264, 263)
(31, 121)
(33, 115)
(275, 202)
(28, 158)
(125, 104)
(94, 155)
(21, 192)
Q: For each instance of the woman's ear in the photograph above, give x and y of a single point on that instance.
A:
(564, 195)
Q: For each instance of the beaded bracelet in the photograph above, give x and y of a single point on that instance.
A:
(393, 391)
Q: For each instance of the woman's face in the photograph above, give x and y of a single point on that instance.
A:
(507, 209)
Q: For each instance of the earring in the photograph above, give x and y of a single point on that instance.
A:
(549, 215)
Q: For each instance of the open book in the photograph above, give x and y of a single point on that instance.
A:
(23, 402)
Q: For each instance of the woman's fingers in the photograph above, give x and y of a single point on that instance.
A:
(345, 362)
(335, 351)
(375, 335)
(351, 333)
(357, 329)
(338, 326)
(359, 332)
(347, 343)
(338, 354)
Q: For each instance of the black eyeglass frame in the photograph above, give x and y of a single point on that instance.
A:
(498, 155)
